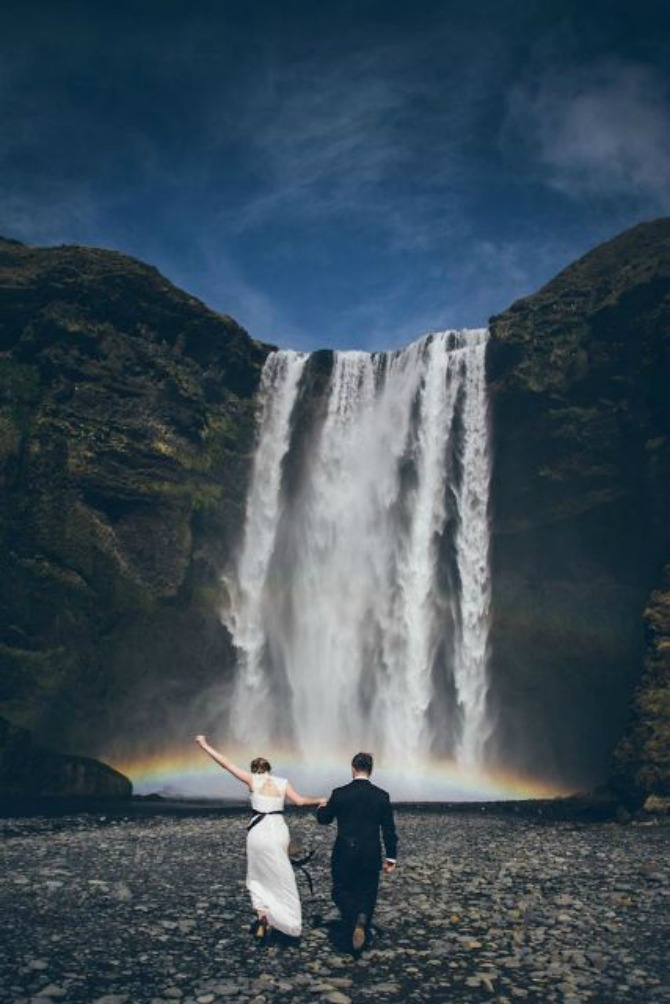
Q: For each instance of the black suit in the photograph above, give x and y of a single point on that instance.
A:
(362, 811)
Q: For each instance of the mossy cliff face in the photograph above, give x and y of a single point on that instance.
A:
(127, 423)
(581, 491)
(126, 428)
(642, 758)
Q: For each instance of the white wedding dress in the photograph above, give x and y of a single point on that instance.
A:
(270, 877)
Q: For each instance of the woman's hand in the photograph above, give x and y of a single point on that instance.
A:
(201, 740)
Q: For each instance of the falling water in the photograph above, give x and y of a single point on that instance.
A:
(359, 602)
(246, 612)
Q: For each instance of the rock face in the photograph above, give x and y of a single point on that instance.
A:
(27, 769)
(642, 758)
(581, 492)
(127, 420)
(126, 424)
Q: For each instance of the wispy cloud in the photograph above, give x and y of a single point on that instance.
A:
(601, 130)
(332, 179)
(495, 272)
(456, 290)
(372, 138)
(212, 273)
(47, 217)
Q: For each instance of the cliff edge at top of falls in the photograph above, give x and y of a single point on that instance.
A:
(605, 312)
(578, 377)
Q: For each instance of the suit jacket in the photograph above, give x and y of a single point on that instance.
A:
(363, 812)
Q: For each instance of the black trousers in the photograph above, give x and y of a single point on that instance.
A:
(355, 883)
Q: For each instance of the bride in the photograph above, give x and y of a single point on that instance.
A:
(270, 877)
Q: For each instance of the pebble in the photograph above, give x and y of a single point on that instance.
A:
(496, 908)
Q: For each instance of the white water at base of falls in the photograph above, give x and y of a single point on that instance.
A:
(359, 602)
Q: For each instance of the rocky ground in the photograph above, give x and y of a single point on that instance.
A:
(128, 910)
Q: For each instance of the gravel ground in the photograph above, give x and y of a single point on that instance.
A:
(153, 909)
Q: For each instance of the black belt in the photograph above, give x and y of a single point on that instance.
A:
(261, 815)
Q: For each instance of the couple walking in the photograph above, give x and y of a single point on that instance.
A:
(363, 812)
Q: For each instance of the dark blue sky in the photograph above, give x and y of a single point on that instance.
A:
(337, 174)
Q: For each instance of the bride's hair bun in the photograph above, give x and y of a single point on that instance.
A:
(260, 766)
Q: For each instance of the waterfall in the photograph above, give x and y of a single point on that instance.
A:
(359, 601)
(245, 614)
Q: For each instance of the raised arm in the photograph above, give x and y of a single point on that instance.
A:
(297, 799)
(242, 775)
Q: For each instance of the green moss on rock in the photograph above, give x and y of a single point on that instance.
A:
(578, 377)
(642, 758)
(127, 418)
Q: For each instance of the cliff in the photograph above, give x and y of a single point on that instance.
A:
(581, 491)
(126, 425)
(642, 758)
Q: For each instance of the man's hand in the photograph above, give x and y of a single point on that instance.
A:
(388, 867)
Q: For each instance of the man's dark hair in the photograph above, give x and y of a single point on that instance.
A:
(362, 763)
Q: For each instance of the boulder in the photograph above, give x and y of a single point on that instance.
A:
(28, 770)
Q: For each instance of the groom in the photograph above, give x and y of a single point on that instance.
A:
(362, 810)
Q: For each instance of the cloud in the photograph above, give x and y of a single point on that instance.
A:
(212, 274)
(49, 213)
(335, 179)
(601, 130)
(319, 141)
(461, 288)
(497, 271)
(371, 138)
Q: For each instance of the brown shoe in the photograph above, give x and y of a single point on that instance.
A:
(358, 937)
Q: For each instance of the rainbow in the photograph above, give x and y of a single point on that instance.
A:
(186, 774)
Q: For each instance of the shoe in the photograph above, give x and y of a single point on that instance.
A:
(358, 937)
(261, 931)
